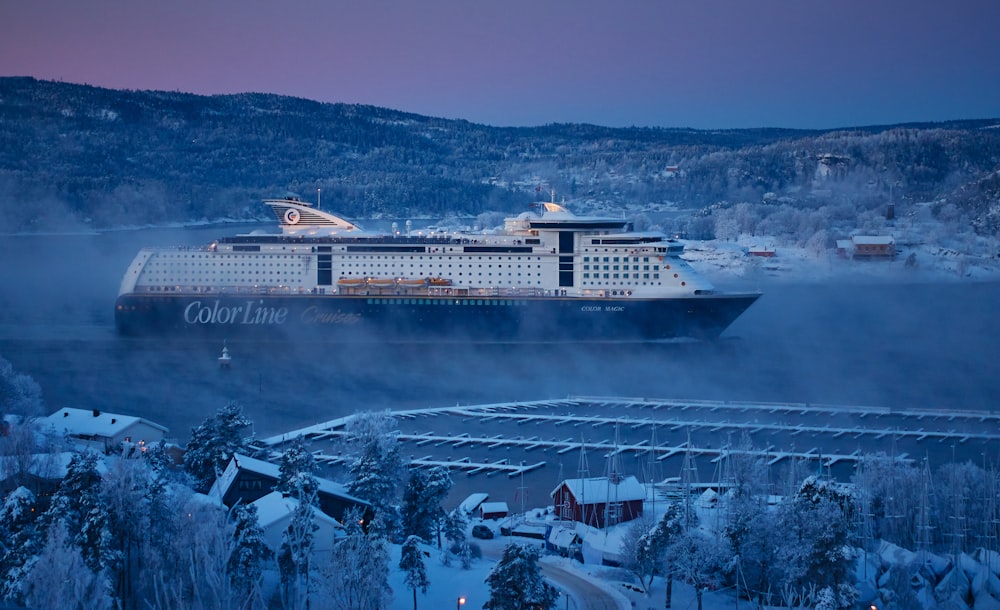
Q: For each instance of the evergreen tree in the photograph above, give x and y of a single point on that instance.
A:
(516, 582)
(411, 561)
(454, 526)
(214, 442)
(375, 474)
(813, 549)
(296, 474)
(378, 469)
(248, 555)
(421, 510)
(19, 543)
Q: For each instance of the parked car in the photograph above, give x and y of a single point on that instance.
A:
(482, 532)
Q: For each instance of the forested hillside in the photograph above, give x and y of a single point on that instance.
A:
(74, 155)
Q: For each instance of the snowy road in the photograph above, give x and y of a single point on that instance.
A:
(585, 594)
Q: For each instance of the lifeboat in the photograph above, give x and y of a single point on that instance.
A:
(380, 282)
(350, 281)
(439, 281)
(409, 281)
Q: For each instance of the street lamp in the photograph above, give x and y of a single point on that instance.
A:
(461, 602)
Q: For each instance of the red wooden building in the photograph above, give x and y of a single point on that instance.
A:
(599, 501)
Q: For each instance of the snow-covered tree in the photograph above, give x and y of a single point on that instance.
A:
(248, 555)
(516, 581)
(20, 394)
(422, 498)
(378, 468)
(813, 549)
(185, 565)
(214, 442)
(454, 526)
(79, 506)
(295, 555)
(698, 560)
(296, 476)
(61, 578)
(356, 577)
(19, 544)
(411, 562)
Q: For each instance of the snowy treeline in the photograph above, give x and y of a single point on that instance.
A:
(830, 544)
(188, 158)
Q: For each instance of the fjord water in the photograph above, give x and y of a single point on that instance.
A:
(903, 342)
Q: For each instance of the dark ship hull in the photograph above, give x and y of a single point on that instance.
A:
(364, 318)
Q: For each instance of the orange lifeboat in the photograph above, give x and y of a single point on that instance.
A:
(381, 282)
(408, 281)
(439, 281)
(350, 281)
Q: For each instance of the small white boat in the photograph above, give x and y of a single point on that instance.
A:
(225, 358)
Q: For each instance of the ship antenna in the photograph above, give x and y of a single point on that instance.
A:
(318, 206)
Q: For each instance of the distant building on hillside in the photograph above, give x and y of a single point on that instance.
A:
(867, 246)
(599, 501)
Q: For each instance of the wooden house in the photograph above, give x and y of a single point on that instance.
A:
(599, 501)
(248, 479)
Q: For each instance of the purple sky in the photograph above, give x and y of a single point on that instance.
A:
(671, 63)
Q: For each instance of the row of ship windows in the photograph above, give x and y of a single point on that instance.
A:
(478, 258)
(217, 264)
(616, 276)
(613, 283)
(480, 302)
(622, 268)
(617, 259)
(421, 266)
(460, 273)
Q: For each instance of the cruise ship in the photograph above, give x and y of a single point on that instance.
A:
(547, 275)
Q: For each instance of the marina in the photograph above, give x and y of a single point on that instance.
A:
(654, 437)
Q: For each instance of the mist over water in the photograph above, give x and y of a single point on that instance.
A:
(901, 345)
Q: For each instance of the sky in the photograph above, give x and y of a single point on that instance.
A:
(703, 64)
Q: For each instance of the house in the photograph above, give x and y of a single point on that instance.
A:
(761, 251)
(40, 473)
(599, 501)
(493, 510)
(102, 431)
(248, 479)
(867, 246)
(275, 511)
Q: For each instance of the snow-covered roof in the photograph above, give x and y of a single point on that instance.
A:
(92, 422)
(493, 507)
(599, 490)
(562, 537)
(275, 506)
(873, 240)
(472, 502)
